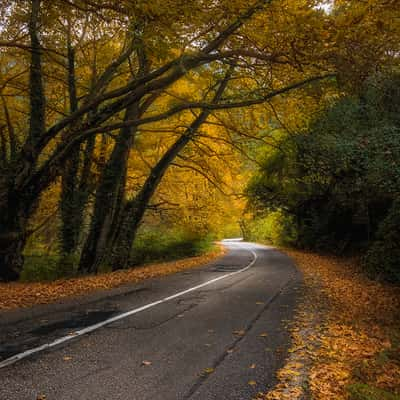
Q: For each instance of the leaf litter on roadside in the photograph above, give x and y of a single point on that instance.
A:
(344, 334)
(27, 294)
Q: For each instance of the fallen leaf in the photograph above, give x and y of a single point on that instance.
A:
(252, 366)
(239, 332)
(209, 370)
(146, 363)
(252, 383)
(263, 334)
(67, 358)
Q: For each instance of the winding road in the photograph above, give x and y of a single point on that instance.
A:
(214, 332)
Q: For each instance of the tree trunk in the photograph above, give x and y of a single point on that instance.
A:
(86, 184)
(12, 243)
(69, 201)
(121, 244)
(13, 224)
(16, 208)
(108, 195)
(36, 89)
(134, 210)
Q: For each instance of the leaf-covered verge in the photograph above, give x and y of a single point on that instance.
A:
(346, 336)
(15, 295)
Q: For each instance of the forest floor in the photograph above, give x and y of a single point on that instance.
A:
(346, 336)
(27, 294)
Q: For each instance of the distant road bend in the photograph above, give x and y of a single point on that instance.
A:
(201, 334)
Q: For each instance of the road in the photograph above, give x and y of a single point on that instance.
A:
(224, 338)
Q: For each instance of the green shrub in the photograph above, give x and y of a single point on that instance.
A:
(151, 244)
(38, 267)
(162, 245)
(274, 228)
(383, 256)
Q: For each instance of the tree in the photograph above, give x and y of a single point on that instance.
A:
(338, 177)
(44, 156)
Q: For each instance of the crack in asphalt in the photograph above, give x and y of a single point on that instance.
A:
(172, 337)
(179, 302)
(203, 378)
(231, 285)
(199, 297)
(157, 325)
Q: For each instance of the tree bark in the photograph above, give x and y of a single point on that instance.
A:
(108, 194)
(14, 213)
(69, 201)
(36, 89)
(12, 243)
(17, 207)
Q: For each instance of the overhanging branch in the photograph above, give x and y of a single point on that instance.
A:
(207, 106)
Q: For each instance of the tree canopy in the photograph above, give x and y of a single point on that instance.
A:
(115, 113)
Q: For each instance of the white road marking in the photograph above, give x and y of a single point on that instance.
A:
(91, 328)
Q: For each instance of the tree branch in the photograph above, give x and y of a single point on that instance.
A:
(207, 106)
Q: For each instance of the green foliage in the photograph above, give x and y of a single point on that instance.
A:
(158, 244)
(339, 177)
(360, 391)
(227, 230)
(41, 268)
(383, 256)
(151, 245)
(274, 228)
(46, 263)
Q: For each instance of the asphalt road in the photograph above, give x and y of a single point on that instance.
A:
(223, 340)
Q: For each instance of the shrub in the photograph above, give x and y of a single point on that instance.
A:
(157, 244)
(383, 256)
(39, 267)
(274, 228)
